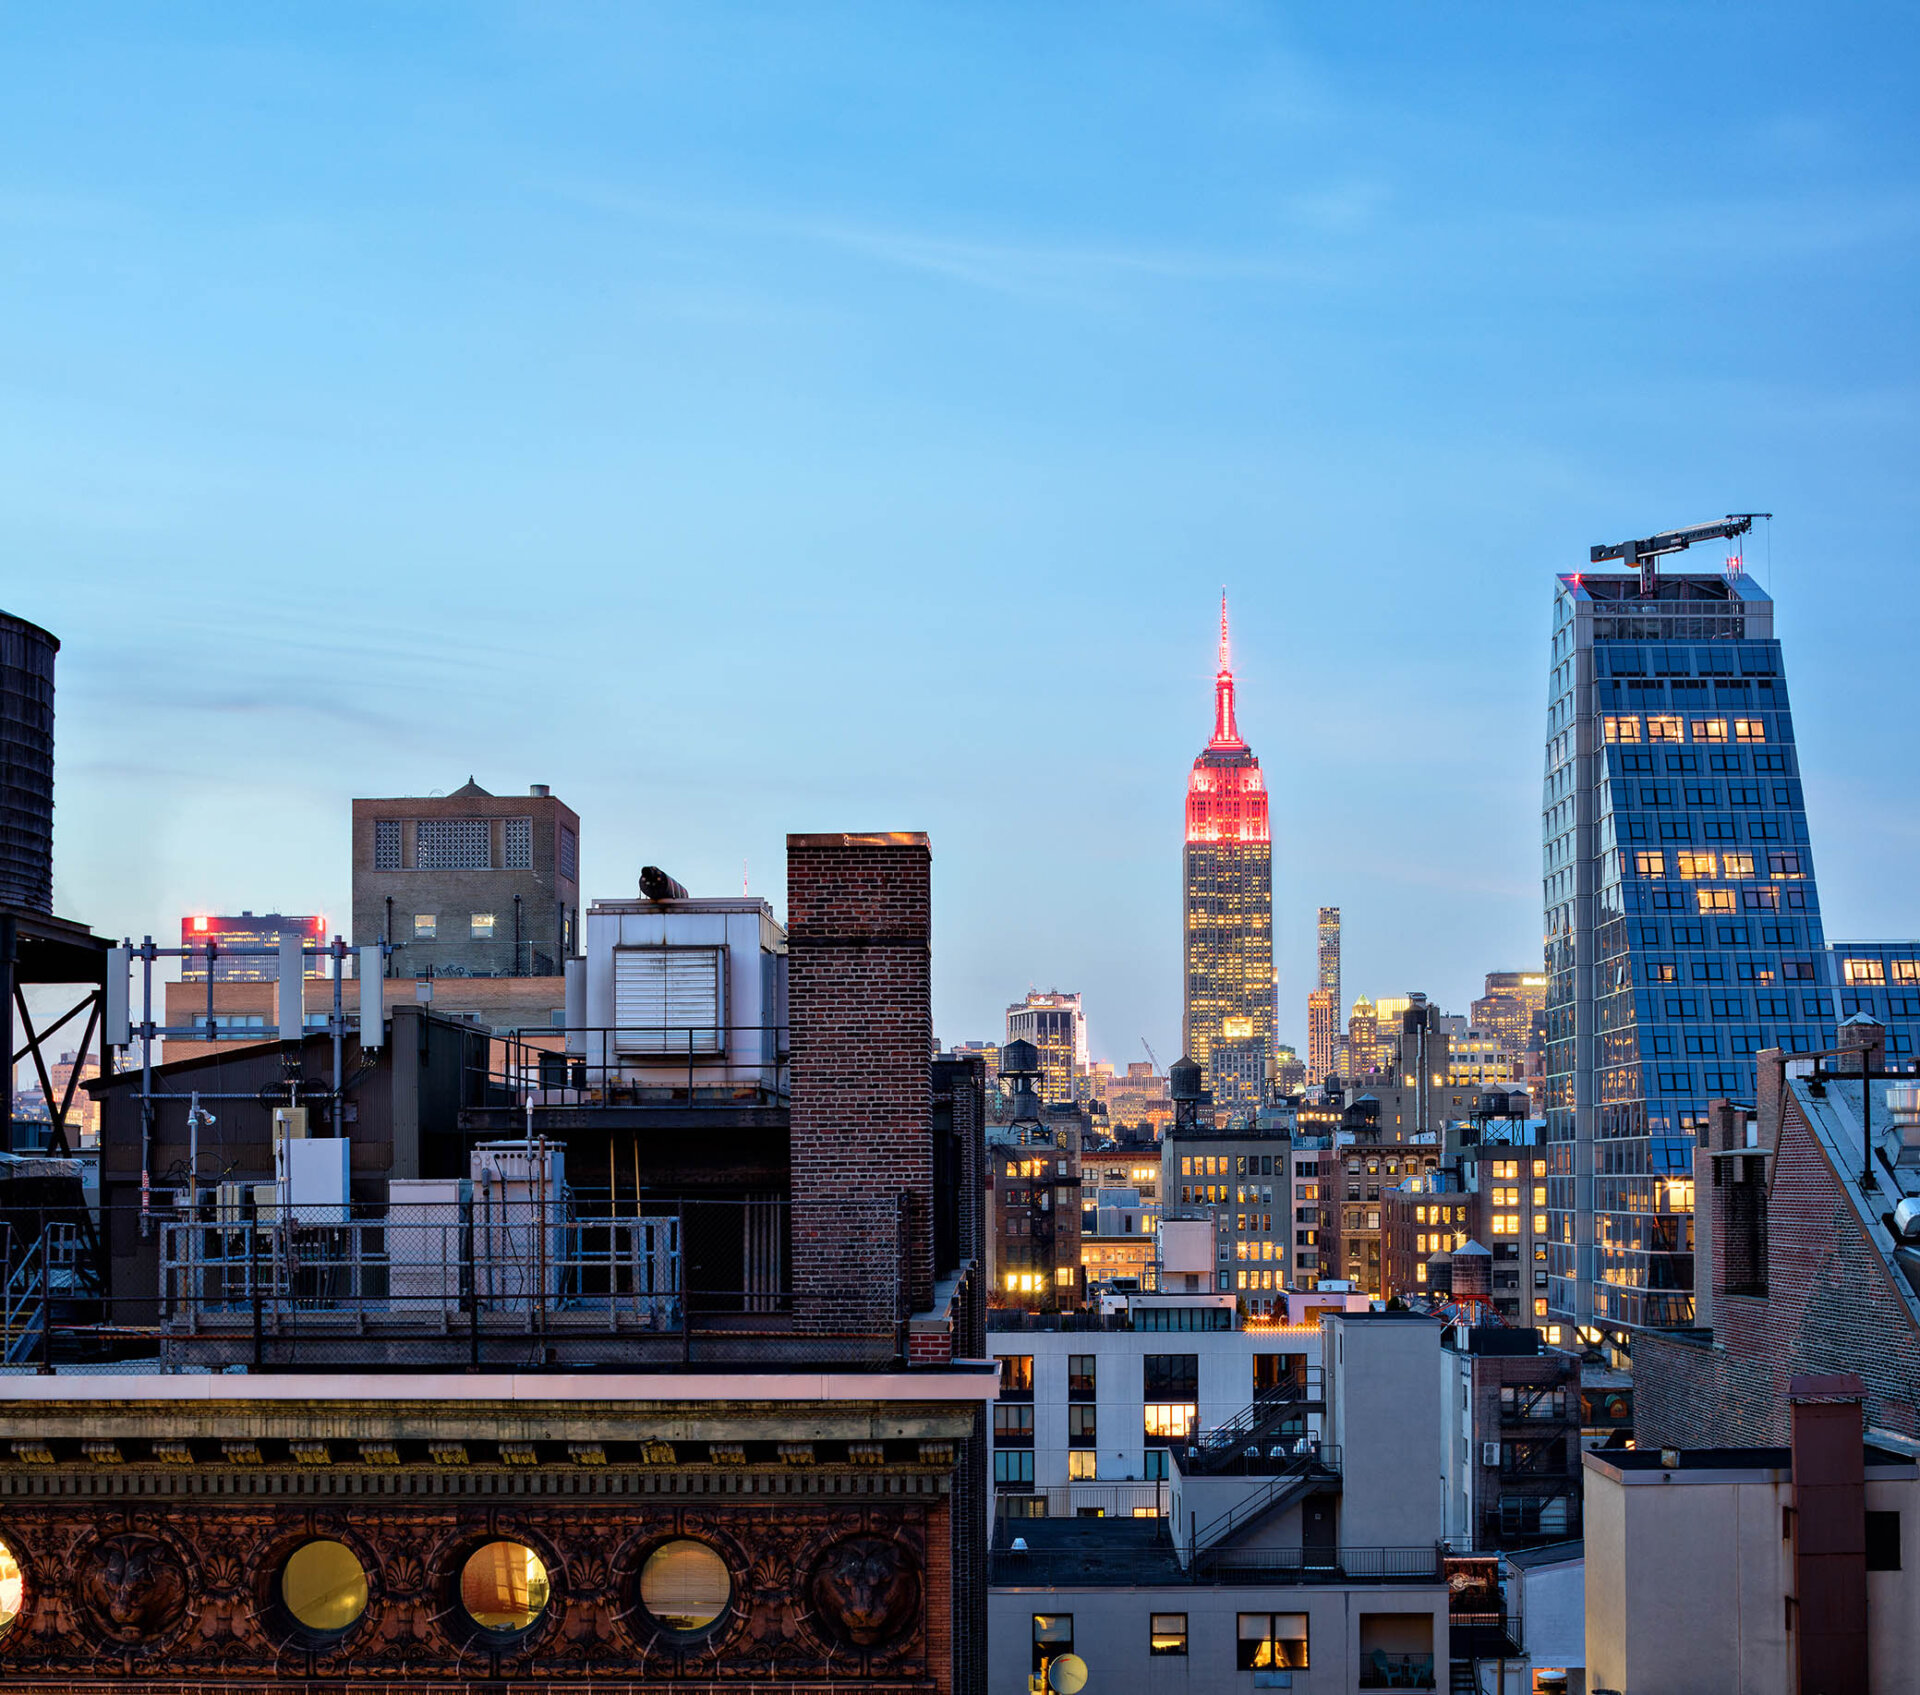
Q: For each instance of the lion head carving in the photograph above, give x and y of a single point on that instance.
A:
(134, 1587)
(864, 1590)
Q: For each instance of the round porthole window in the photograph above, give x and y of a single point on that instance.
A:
(684, 1586)
(324, 1586)
(12, 1586)
(504, 1587)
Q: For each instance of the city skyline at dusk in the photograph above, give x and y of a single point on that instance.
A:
(629, 430)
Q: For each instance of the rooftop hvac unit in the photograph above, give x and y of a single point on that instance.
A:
(1490, 1453)
(230, 1205)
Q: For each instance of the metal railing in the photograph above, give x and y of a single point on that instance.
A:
(455, 1273)
(600, 1067)
(1137, 1499)
(1309, 1462)
(1320, 1565)
(413, 1263)
(1257, 1438)
(1045, 1568)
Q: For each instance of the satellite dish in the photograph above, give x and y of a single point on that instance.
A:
(1067, 1675)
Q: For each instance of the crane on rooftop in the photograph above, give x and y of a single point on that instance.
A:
(1647, 552)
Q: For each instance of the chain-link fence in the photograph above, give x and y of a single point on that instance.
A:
(486, 1278)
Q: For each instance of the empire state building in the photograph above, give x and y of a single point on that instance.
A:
(1229, 908)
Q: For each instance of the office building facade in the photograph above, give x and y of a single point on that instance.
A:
(1327, 952)
(216, 934)
(1682, 920)
(1323, 1036)
(1056, 1025)
(1228, 899)
(1513, 1002)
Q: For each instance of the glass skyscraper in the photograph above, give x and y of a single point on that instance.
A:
(1682, 921)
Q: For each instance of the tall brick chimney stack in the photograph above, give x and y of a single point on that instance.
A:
(859, 973)
(1830, 1530)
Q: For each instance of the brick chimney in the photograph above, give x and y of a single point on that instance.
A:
(1830, 1532)
(859, 921)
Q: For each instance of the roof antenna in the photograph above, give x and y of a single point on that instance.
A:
(743, 874)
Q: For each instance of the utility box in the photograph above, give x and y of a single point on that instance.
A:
(428, 1220)
(313, 1175)
(288, 1122)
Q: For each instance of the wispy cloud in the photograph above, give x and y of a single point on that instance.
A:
(1048, 271)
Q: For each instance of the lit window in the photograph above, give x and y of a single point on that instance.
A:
(1696, 864)
(1663, 729)
(1539, 1190)
(684, 1586)
(1063, 1276)
(1052, 1637)
(1553, 1335)
(1540, 1306)
(1621, 729)
(1716, 900)
(1539, 1224)
(1750, 729)
(483, 926)
(1506, 1224)
(1709, 729)
(1650, 864)
(1272, 1640)
(1082, 1464)
(323, 1585)
(1169, 1421)
(424, 924)
(504, 1588)
(1420, 1271)
(1865, 971)
(1167, 1633)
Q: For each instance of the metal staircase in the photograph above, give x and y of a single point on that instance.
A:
(1257, 1434)
(49, 1269)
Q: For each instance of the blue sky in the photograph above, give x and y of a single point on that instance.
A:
(764, 418)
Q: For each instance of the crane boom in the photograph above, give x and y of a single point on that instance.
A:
(1149, 1047)
(1643, 553)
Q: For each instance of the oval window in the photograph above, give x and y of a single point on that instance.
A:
(324, 1586)
(12, 1586)
(504, 1587)
(685, 1586)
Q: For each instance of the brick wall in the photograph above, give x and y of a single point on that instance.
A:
(1828, 1307)
(859, 912)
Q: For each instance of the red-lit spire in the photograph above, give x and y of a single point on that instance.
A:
(1225, 733)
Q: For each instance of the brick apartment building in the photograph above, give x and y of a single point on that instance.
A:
(1354, 1200)
(1801, 1268)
